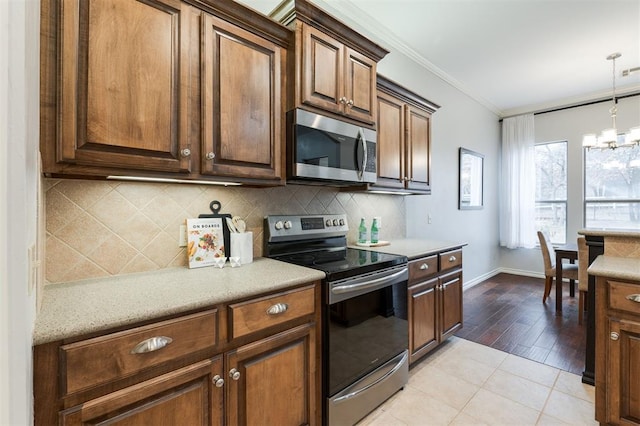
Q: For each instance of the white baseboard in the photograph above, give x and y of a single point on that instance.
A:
(481, 278)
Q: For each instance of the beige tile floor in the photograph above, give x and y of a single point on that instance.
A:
(465, 383)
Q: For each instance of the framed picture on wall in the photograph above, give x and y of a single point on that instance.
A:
(470, 195)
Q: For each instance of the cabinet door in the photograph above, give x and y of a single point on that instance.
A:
(451, 304)
(123, 87)
(418, 148)
(623, 393)
(322, 70)
(423, 318)
(275, 380)
(360, 86)
(187, 396)
(242, 117)
(391, 141)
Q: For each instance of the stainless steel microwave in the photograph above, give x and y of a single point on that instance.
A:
(325, 149)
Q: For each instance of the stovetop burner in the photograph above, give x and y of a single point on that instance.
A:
(319, 242)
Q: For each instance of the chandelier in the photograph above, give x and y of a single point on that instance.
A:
(610, 138)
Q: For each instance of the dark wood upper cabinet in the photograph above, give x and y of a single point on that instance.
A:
(242, 107)
(162, 88)
(124, 72)
(334, 66)
(404, 139)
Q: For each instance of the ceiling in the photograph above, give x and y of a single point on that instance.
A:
(513, 56)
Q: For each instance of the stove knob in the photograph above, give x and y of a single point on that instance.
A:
(341, 222)
(278, 225)
(288, 224)
(335, 222)
(328, 222)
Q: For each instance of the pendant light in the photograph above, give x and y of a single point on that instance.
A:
(610, 138)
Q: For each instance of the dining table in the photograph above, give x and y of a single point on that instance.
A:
(569, 252)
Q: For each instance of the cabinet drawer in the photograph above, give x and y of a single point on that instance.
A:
(102, 359)
(624, 297)
(259, 314)
(450, 259)
(423, 267)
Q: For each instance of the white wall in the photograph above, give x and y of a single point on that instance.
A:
(460, 122)
(19, 80)
(570, 125)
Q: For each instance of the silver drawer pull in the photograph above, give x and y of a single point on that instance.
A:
(278, 308)
(234, 374)
(151, 344)
(615, 336)
(634, 298)
(218, 381)
(424, 267)
(452, 259)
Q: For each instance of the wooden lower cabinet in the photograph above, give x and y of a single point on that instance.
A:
(273, 381)
(617, 352)
(190, 370)
(435, 301)
(186, 396)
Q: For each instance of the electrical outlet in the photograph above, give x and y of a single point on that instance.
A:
(182, 240)
(429, 218)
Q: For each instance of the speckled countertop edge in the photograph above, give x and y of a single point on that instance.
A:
(414, 248)
(80, 307)
(623, 268)
(610, 232)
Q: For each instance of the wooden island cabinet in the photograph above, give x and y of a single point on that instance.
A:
(162, 88)
(253, 361)
(617, 340)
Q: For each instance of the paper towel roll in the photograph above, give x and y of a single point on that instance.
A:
(242, 246)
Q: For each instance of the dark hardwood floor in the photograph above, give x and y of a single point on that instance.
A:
(506, 312)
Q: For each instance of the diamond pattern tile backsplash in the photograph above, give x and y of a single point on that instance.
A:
(102, 228)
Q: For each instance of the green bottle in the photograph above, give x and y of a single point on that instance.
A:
(362, 232)
(374, 231)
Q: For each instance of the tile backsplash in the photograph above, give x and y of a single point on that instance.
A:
(102, 228)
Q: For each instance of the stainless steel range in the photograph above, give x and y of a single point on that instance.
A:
(364, 317)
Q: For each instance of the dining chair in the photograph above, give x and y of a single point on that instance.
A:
(583, 276)
(569, 270)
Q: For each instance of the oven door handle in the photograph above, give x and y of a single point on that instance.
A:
(392, 371)
(376, 282)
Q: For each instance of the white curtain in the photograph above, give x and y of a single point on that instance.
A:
(518, 183)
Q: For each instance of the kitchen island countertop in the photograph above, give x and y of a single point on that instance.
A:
(414, 248)
(86, 306)
(622, 268)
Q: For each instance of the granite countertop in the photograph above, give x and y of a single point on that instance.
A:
(633, 233)
(414, 248)
(623, 268)
(75, 308)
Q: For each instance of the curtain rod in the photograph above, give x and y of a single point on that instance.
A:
(545, 111)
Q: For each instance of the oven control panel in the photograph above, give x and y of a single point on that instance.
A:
(294, 227)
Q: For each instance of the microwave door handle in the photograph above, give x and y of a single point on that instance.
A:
(363, 141)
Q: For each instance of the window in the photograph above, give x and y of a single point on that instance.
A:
(551, 190)
(612, 188)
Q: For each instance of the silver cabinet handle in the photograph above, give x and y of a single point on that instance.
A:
(218, 381)
(210, 155)
(614, 336)
(634, 298)
(151, 344)
(424, 267)
(185, 152)
(234, 374)
(278, 308)
(343, 100)
(452, 259)
(350, 103)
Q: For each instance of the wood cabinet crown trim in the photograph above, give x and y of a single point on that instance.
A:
(304, 11)
(392, 88)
